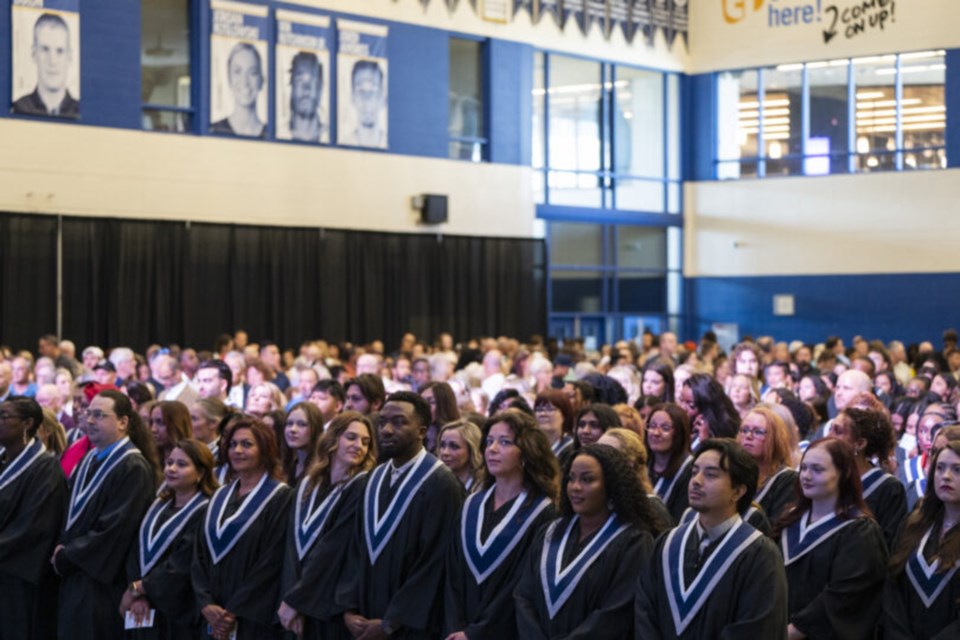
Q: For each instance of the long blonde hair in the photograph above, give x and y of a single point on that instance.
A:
(319, 472)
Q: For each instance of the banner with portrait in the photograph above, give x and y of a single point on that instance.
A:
(362, 81)
(302, 77)
(45, 54)
(239, 75)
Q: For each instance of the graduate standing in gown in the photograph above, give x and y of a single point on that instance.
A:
(33, 496)
(158, 569)
(922, 595)
(833, 549)
(238, 553)
(715, 576)
(394, 585)
(498, 523)
(322, 524)
(668, 441)
(302, 431)
(111, 490)
(579, 576)
(765, 437)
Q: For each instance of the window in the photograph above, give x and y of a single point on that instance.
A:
(738, 123)
(466, 125)
(165, 65)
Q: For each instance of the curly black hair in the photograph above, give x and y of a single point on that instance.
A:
(876, 429)
(622, 486)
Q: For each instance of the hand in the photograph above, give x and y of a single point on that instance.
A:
(140, 609)
(459, 635)
(374, 630)
(356, 623)
(286, 613)
(794, 634)
(125, 602)
(227, 624)
(296, 626)
(213, 614)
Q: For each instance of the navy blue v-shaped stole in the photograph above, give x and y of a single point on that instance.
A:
(484, 558)
(801, 537)
(665, 486)
(84, 487)
(24, 460)
(310, 517)
(379, 529)
(872, 480)
(686, 601)
(559, 583)
(223, 533)
(154, 539)
(913, 469)
(926, 580)
(920, 487)
(561, 445)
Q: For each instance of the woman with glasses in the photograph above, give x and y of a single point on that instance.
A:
(668, 442)
(764, 436)
(302, 431)
(555, 417)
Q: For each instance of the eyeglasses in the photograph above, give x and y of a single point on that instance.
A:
(546, 409)
(756, 432)
(97, 414)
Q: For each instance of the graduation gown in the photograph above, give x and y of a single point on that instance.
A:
(673, 490)
(309, 583)
(737, 591)
(922, 602)
(397, 569)
(887, 501)
(103, 517)
(238, 567)
(777, 493)
(33, 495)
(571, 590)
(161, 560)
(835, 576)
(485, 562)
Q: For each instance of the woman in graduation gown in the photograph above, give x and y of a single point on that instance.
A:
(556, 418)
(158, 568)
(764, 435)
(302, 430)
(33, 496)
(498, 523)
(668, 441)
(322, 522)
(238, 554)
(580, 575)
(833, 549)
(922, 595)
(631, 445)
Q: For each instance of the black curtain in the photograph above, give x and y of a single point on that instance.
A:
(28, 279)
(137, 282)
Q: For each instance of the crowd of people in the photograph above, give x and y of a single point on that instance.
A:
(488, 489)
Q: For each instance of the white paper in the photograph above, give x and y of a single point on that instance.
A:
(908, 442)
(146, 623)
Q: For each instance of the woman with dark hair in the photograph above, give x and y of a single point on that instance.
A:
(658, 380)
(322, 525)
(922, 596)
(169, 424)
(668, 441)
(833, 549)
(703, 397)
(812, 386)
(238, 557)
(887, 385)
(944, 385)
(580, 576)
(140, 393)
(443, 409)
(158, 568)
(461, 449)
(606, 389)
(764, 436)
(302, 431)
(592, 421)
(508, 399)
(497, 527)
(631, 445)
(555, 418)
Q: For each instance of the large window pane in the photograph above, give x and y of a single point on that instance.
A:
(829, 118)
(737, 123)
(165, 62)
(642, 292)
(782, 119)
(638, 123)
(571, 189)
(466, 99)
(875, 79)
(574, 103)
(576, 244)
(673, 127)
(924, 113)
(641, 247)
(577, 291)
(539, 100)
(640, 195)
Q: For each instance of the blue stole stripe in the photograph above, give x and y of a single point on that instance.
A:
(872, 480)
(222, 534)
(485, 558)
(84, 488)
(926, 581)
(30, 454)
(559, 584)
(154, 541)
(920, 487)
(800, 538)
(309, 523)
(379, 530)
(913, 469)
(665, 486)
(561, 445)
(686, 602)
(768, 484)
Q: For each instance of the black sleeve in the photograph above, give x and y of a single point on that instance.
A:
(200, 569)
(762, 599)
(647, 607)
(529, 625)
(454, 617)
(167, 582)
(896, 619)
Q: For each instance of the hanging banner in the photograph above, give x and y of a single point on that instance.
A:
(549, 8)
(619, 16)
(302, 77)
(523, 5)
(641, 20)
(362, 81)
(576, 11)
(680, 19)
(661, 20)
(45, 53)
(596, 12)
(238, 69)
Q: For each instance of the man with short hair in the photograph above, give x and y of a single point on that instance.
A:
(419, 372)
(49, 397)
(49, 347)
(368, 96)
(369, 363)
(126, 364)
(213, 379)
(175, 385)
(22, 384)
(189, 363)
(105, 373)
(328, 396)
(270, 355)
(307, 379)
(306, 92)
(402, 375)
(777, 376)
(364, 394)
(52, 53)
(849, 385)
(493, 377)
(668, 346)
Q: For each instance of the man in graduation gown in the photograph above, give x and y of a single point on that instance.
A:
(393, 587)
(33, 495)
(715, 576)
(110, 492)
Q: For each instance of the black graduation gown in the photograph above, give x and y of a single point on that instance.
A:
(95, 550)
(167, 584)
(31, 512)
(778, 493)
(676, 500)
(888, 503)
(486, 610)
(749, 602)
(310, 585)
(907, 616)
(404, 583)
(600, 605)
(835, 588)
(246, 581)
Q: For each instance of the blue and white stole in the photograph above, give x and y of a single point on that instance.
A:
(484, 558)
(664, 487)
(377, 529)
(686, 601)
(222, 534)
(561, 445)
(214, 448)
(801, 537)
(84, 488)
(764, 491)
(913, 470)
(926, 581)
(559, 584)
(310, 518)
(920, 487)
(872, 480)
(24, 460)
(155, 540)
